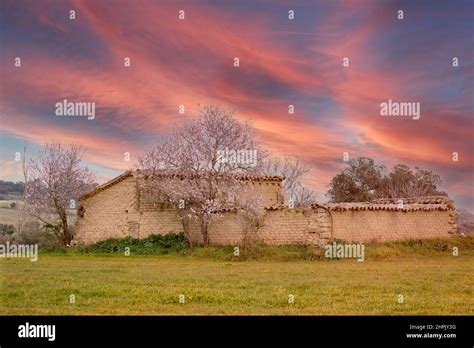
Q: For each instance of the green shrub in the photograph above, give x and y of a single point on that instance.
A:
(6, 229)
(153, 244)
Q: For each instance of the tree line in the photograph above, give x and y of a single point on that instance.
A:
(363, 180)
(10, 188)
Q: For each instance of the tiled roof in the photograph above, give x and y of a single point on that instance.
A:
(388, 204)
(276, 207)
(264, 178)
(243, 177)
(261, 177)
(387, 207)
(417, 200)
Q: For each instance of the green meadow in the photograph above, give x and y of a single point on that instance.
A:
(269, 281)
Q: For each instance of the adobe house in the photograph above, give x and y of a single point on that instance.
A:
(118, 209)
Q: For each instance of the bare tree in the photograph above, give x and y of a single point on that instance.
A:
(55, 181)
(198, 166)
(293, 170)
(303, 197)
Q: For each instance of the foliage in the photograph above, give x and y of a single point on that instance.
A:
(402, 181)
(6, 229)
(8, 187)
(363, 180)
(176, 243)
(154, 244)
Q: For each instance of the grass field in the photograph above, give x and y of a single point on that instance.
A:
(434, 284)
(10, 216)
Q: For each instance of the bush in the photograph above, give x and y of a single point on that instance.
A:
(7, 229)
(30, 233)
(153, 244)
(6, 233)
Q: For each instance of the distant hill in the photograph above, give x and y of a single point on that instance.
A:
(465, 221)
(11, 188)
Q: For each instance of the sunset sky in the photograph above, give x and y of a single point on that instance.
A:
(190, 62)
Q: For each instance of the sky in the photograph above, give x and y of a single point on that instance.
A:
(282, 62)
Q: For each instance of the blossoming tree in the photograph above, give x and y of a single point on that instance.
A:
(189, 169)
(56, 181)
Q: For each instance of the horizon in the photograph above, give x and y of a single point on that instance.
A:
(189, 62)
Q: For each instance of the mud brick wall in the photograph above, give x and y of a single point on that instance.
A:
(106, 214)
(123, 209)
(119, 209)
(269, 193)
(278, 227)
(117, 213)
(364, 226)
(228, 230)
(319, 226)
(159, 222)
(288, 226)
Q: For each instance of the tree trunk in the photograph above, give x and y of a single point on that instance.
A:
(186, 228)
(66, 235)
(204, 231)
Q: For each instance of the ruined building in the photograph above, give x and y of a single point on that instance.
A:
(118, 209)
